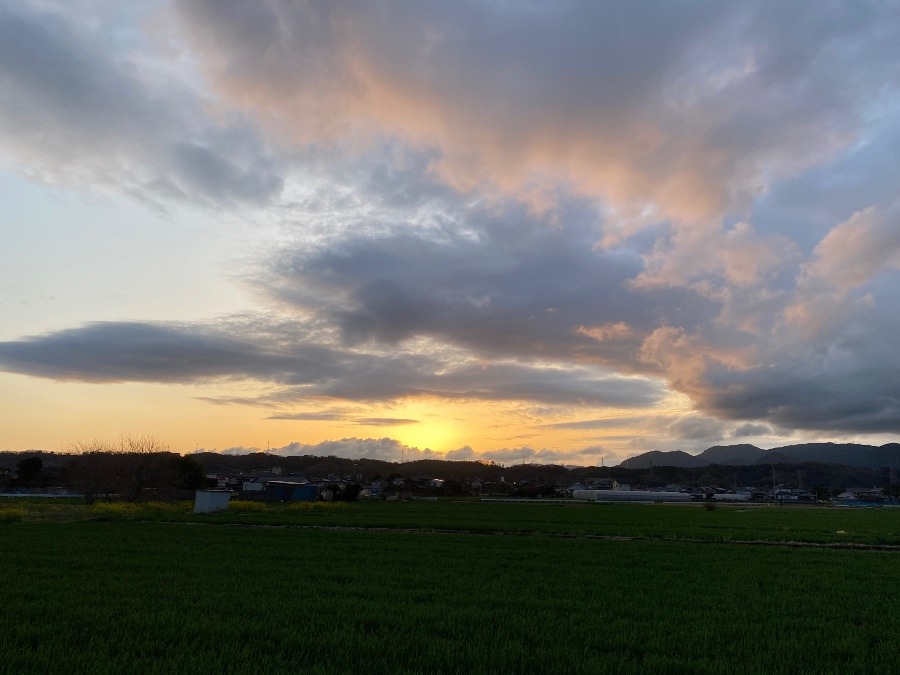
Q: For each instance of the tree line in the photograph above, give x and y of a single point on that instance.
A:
(141, 467)
(129, 468)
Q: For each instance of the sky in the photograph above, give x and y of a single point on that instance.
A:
(525, 231)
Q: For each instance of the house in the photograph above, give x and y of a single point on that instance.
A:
(870, 495)
(473, 485)
(606, 484)
(287, 491)
(704, 492)
(786, 495)
(372, 490)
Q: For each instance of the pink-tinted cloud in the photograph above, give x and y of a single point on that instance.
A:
(659, 125)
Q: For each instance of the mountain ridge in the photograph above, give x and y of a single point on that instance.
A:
(745, 454)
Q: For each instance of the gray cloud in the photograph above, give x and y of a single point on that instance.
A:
(606, 423)
(815, 392)
(748, 429)
(499, 282)
(692, 428)
(696, 107)
(832, 369)
(384, 421)
(133, 352)
(386, 449)
(138, 352)
(306, 416)
(77, 108)
(461, 454)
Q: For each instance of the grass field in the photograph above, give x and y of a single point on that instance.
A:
(147, 589)
(672, 521)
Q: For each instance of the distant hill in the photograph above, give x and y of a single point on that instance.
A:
(659, 458)
(733, 455)
(848, 454)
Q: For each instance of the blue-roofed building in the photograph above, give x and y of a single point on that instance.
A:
(286, 491)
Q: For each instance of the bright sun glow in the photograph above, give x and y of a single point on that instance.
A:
(436, 428)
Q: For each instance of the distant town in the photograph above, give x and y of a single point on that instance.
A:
(136, 476)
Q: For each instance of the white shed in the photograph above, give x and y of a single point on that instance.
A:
(208, 501)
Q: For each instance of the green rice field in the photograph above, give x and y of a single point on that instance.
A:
(649, 521)
(425, 587)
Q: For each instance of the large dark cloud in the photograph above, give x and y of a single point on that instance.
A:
(851, 384)
(498, 282)
(305, 370)
(828, 361)
(137, 352)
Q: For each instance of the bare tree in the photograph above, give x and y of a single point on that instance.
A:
(143, 464)
(130, 467)
(91, 471)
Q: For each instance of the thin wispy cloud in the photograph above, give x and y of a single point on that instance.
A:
(384, 421)
(308, 416)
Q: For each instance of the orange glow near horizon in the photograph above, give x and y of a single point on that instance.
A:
(179, 417)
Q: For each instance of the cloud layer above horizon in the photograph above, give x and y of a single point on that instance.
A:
(589, 212)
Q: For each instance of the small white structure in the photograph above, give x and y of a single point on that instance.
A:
(255, 485)
(208, 501)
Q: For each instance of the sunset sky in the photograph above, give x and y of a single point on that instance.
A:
(520, 231)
